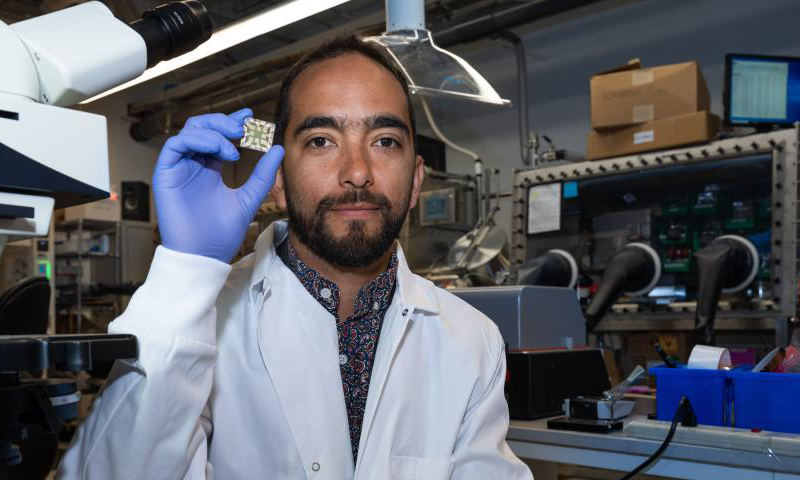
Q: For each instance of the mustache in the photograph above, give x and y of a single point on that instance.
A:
(380, 201)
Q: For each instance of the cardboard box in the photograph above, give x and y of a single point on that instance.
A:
(670, 132)
(630, 94)
(107, 209)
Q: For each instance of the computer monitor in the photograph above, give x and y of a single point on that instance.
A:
(761, 90)
(437, 207)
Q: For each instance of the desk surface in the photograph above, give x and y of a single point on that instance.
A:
(536, 432)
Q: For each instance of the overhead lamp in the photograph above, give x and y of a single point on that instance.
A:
(430, 70)
(239, 32)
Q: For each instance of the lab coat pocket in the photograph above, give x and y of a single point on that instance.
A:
(418, 468)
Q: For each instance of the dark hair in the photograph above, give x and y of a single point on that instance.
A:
(335, 47)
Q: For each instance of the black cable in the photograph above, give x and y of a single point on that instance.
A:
(684, 414)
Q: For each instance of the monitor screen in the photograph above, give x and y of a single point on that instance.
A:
(436, 206)
(762, 90)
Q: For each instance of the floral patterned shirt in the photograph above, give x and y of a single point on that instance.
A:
(358, 334)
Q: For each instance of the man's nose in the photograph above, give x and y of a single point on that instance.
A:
(356, 171)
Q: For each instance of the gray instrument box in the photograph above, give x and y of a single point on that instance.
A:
(530, 317)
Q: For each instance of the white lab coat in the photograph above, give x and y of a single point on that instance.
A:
(238, 378)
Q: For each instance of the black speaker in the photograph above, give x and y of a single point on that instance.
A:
(135, 201)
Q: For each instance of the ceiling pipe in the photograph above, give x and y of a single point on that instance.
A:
(479, 24)
(493, 19)
(525, 141)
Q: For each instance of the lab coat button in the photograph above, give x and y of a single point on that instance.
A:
(405, 312)
(315, 466)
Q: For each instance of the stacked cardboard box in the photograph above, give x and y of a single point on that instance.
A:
(637, 109)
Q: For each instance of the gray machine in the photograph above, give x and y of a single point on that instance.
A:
(530, 317)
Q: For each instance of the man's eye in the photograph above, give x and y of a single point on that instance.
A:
(319, 142)
(388, 142)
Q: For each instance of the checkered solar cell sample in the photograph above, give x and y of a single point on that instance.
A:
(257, 134)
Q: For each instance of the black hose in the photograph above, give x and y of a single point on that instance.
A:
(631, 268)
(684, 414)
(723, 263)
(549, 270)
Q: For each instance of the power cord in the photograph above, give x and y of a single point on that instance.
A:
(684, 414)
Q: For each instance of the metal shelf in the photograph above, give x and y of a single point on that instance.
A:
(84, 255)
(86, 224)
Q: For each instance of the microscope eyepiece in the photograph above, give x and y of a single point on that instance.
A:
(173, 29)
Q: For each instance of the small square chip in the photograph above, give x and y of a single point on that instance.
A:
(257, 134)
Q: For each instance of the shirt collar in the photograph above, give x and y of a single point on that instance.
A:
(372, 297)
(414, 292)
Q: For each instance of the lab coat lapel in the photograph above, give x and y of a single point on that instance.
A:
(409, 300)
(298, 344)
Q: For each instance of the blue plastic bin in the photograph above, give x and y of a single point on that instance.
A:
(768, 401)
(708, 391)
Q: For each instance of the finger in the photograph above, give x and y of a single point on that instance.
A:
(196, 141)
(240, 115)
(227, 150)
(261, 180)
(219, 122)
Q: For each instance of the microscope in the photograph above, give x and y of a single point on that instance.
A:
(56, 157)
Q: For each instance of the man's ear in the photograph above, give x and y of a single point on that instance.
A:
(419, 176)
(278, 190)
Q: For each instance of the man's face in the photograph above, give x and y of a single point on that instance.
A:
(350, 174)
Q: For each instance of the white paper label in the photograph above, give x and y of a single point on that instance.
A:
(544, 208)
(643, 113)
(644, 137)
(641, 77)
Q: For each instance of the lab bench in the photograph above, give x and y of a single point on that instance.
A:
(542, 447)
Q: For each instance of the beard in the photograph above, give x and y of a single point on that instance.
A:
(357, 248)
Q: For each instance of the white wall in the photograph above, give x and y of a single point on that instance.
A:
(562, 58)
(128, 160)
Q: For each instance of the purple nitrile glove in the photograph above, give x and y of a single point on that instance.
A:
(197, 212)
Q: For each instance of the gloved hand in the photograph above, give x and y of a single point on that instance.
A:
(197, 212)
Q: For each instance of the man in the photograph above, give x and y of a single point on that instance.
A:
(320, 355)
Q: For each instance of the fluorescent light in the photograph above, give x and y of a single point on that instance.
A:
(239, 32)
